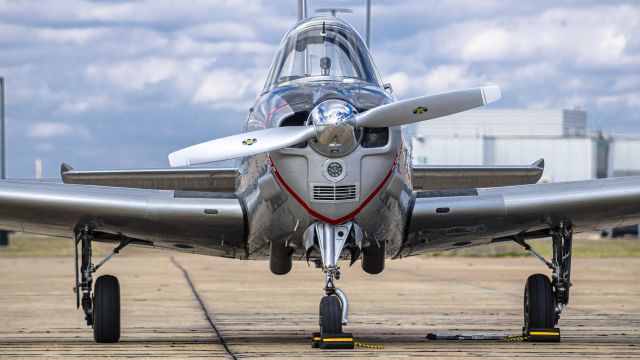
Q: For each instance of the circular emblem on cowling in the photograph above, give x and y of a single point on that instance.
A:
(334, 170)
(420, 110)
(249, 141)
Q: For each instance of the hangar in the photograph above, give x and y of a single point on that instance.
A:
(516, 137)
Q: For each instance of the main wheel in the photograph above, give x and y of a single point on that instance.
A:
(106, 310)
(539, 304)
(330, 315)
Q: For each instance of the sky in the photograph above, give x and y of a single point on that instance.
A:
(121, 84)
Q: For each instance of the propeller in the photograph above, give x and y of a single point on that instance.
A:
(427, 107)
(394, 114)
(241, 145)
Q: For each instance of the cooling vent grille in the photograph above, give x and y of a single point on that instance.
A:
(328, 192)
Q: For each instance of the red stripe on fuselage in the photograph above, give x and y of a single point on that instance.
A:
(266, 123)
(320, 216)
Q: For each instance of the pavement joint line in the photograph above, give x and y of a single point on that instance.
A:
(203, 307)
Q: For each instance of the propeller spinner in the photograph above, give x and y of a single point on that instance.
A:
(336, 131)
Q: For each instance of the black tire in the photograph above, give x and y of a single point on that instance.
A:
(373, 257)
(330, 315)
(539, 303)
(106, 310)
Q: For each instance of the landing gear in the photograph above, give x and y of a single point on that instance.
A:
(561, 277)
(334, 307)
(102, 309)
(545, 299)
(84, 279)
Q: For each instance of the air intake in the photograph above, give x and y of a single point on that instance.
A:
(334, 193)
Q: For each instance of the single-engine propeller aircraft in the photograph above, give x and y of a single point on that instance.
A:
(323, 174)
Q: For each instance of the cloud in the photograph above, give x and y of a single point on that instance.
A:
(80, 36)
(136, 74)
(227, 88)
(221, 30)
(46, 130)
(628, 100)
(149, 75)
(544, 55)
(163, 14)
(80, 105)
(591, 38)
(439, 79)
(45, 147)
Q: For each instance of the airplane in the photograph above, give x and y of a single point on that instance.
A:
(323, 173)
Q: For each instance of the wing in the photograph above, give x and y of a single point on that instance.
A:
(192, 179)
(210, 223)
(439, 177)
(446, 219)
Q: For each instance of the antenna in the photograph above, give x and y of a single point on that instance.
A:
(368, 25)
(302, 9)
(334, 11)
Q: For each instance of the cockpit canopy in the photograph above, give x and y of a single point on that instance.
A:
(322, 49)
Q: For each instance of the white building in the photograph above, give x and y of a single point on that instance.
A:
(478, 123)
(515, 137)
(624, 157)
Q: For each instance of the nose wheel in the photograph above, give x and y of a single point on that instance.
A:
(330, 315)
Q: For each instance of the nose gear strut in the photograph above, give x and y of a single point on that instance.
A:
(331, 240)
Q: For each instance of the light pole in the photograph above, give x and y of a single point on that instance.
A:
(3, 147)
(4, 236)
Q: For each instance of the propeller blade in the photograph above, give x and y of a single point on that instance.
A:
(241, 145)
(427, 107)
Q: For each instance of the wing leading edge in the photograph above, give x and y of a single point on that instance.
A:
(440, 177)
(446, 219)
(191, 179)
(211, 223)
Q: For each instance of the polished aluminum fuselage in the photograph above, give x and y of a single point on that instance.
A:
(278, 187)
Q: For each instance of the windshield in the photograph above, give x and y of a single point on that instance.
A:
(323, 52)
